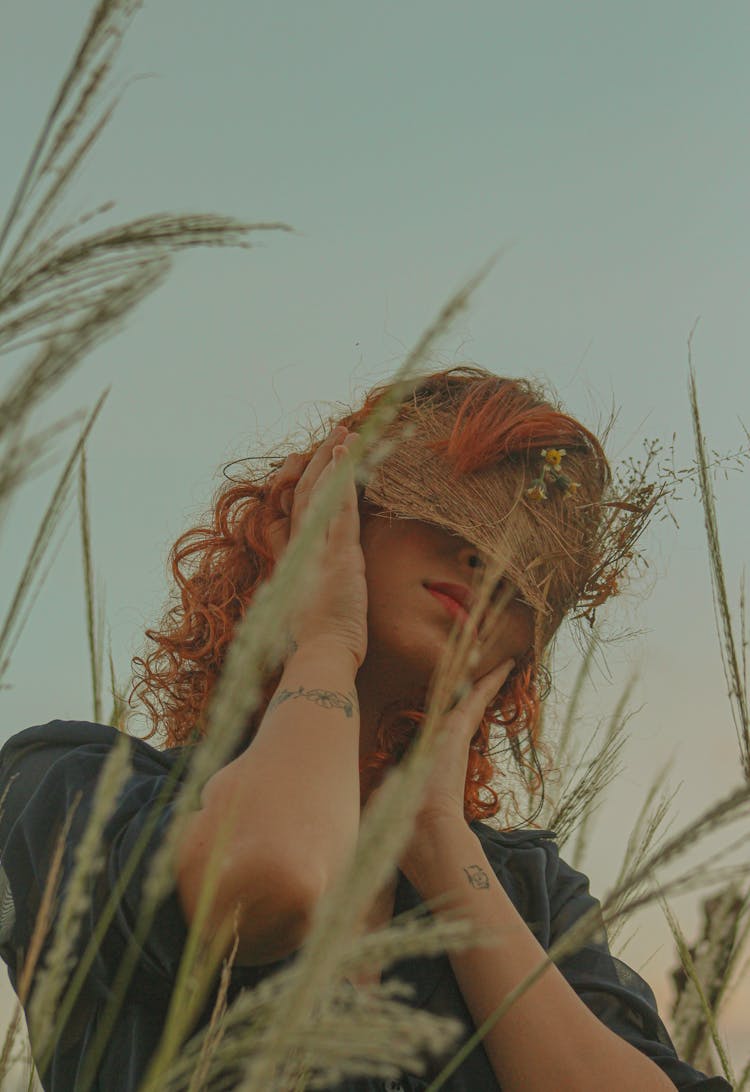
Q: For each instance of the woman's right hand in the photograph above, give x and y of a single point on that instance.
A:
(333, 609)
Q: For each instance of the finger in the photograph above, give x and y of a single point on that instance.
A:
(278, 537)
(284, 479)
(290, 470)
(318, 463)
(487, 687)
(473, 699)
(343, 529)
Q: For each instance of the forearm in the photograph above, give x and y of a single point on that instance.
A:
(290, 801)
(304, 759)
(548, 1038)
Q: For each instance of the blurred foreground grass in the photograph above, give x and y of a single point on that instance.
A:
(63, 289)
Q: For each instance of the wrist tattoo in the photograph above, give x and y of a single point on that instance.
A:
(326, 699)
(477, 876)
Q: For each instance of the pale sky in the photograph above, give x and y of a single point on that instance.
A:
(602, 147)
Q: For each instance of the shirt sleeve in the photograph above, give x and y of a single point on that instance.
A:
(610, 989)
(44, 772)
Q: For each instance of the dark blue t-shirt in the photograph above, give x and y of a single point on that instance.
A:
(44, 770)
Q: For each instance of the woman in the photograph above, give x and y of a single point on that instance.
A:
(486, 473)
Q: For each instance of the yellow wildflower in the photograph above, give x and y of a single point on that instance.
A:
(553, 456)
(536, 491)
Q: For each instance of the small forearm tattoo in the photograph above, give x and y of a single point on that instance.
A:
(326, 699)
(477, 876)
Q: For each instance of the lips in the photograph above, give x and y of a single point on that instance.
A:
(457, 592)
(457, 600)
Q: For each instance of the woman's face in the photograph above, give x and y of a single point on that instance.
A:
(414, 570)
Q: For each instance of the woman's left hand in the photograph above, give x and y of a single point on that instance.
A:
(443, 800)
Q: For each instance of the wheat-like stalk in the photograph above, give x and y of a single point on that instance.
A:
(582, 795)
(12, 627)
(733, 653)
(261, 636)
(246, 1021)
(215, 1031)
(88, 861)
(731, 808)
(695, 1014)
(39, 935)
(648, 828)
(564, 740)
(94, 629)
(384, 831)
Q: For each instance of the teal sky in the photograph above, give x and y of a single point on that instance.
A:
(602, 148)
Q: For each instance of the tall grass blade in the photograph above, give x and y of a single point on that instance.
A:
(106, 916)
(10, 630)
(118, 713)
(92, 629)
(564, 741)
(693, 1027)
(385, 828)
(732, 657)
(89, 860)
(582, 794)
(602, 771)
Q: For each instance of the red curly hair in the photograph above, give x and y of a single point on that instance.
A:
(219, 565)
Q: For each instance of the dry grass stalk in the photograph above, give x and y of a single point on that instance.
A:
(124, 972)
(54, 283)
(366, 1031)
(215, 1031)
(89, 859)
(39, 935)
(94, 627)
(735, 806)
(733, 653)
(647, 829)
(261, 637)
(695, 1011)
(384, 831)
(198, 963)
(564, 741)
(11, 629)
(65, 291)
(714, 958)
(119, 712)
(409, 936)
(732, 808)
(22, 458)
(602, 771)
(743, 1082)
(582, 795)
(107, 25)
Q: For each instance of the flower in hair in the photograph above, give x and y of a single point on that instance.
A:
(551, 473)
(537, 491)
(553, 456)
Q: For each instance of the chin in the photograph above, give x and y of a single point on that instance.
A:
(414, 663)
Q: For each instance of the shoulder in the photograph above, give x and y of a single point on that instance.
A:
(57, 737)
(51, 769)
(48, 779)
(70, 745)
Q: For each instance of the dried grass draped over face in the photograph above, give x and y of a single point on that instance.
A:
(495, 423)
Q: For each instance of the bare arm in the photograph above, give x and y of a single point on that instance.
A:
(548, 1038)
(294, 798)
(291, 800)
